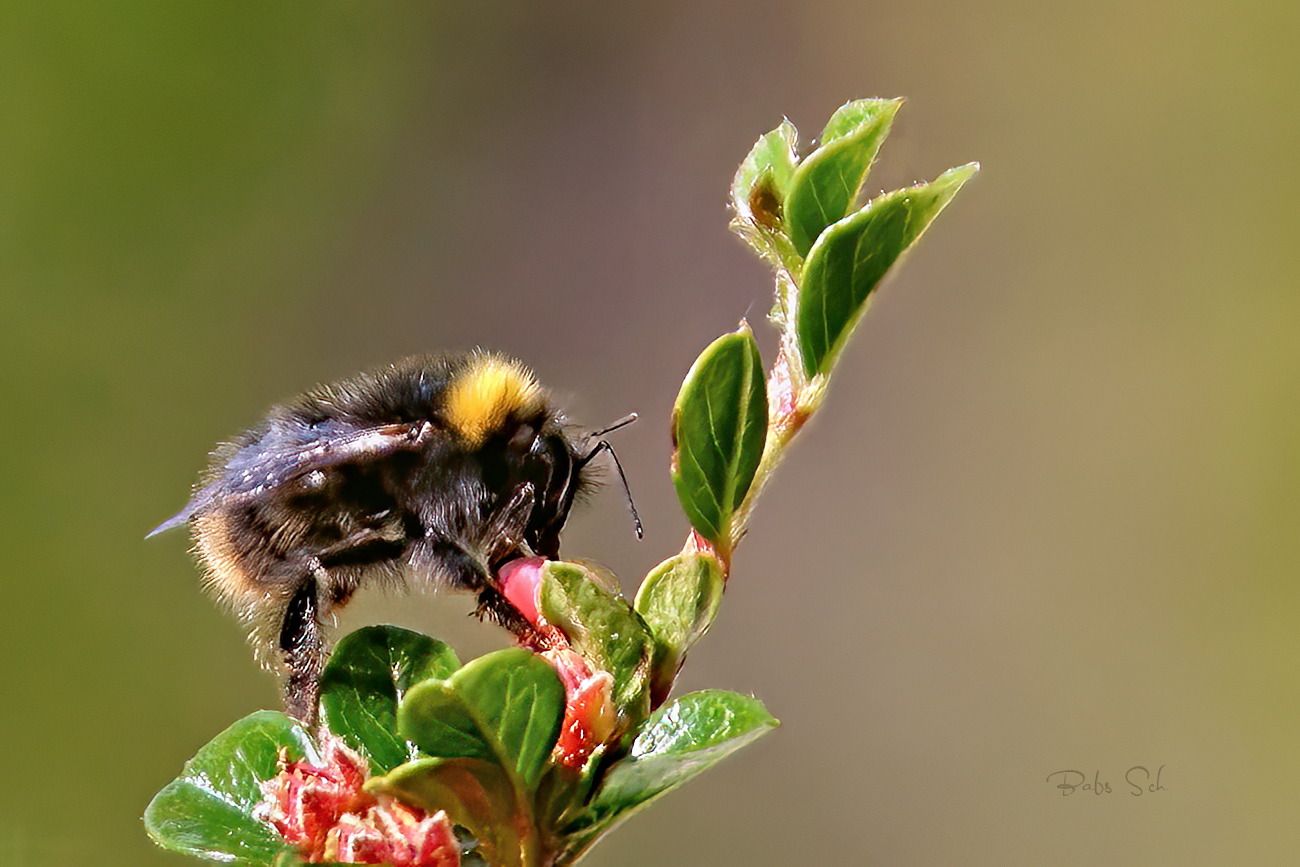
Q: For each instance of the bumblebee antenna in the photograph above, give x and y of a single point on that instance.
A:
(621, 423)
(604, 446)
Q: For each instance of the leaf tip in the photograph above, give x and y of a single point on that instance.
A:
(891, 106)
(959, 175)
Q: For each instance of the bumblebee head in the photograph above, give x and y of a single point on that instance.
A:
(495, 408)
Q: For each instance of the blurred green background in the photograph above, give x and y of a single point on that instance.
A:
(1050, 518)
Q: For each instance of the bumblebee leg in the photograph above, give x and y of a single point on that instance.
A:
(441, 557)
(464, 571)
(494, 607)
(505, 529)
(301, 644)
(365, 547)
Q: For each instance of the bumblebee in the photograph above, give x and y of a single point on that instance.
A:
(435, 469)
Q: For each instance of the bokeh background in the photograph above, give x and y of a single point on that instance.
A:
(1050, 518)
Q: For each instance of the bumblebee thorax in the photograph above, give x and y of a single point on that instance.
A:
(488, 394)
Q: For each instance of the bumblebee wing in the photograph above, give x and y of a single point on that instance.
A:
(174, 521)
(287, 450)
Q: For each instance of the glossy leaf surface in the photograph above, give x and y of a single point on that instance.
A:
(207, 811)
(678, 600)
(367, 676)
(719, 428)
(601, 625)
(850, 258)
(505, 707)
(680, 740)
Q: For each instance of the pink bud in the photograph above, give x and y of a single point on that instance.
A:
(520, 582)
(589, 716)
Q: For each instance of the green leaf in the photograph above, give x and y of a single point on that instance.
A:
(678, 600)
(772, 157)
(366, 677)
(719, 428)
(477, 795)
(826, 183)
(850, 258)
(518, 700)
(495, 719)
(680, 740)
(207, 811)
(759, 190)
(601, 625)
(435, 718)
(504, 707)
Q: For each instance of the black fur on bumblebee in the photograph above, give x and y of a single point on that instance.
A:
(435, 469)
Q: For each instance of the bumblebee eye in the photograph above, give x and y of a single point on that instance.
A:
(525, 439)
(561, 469)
